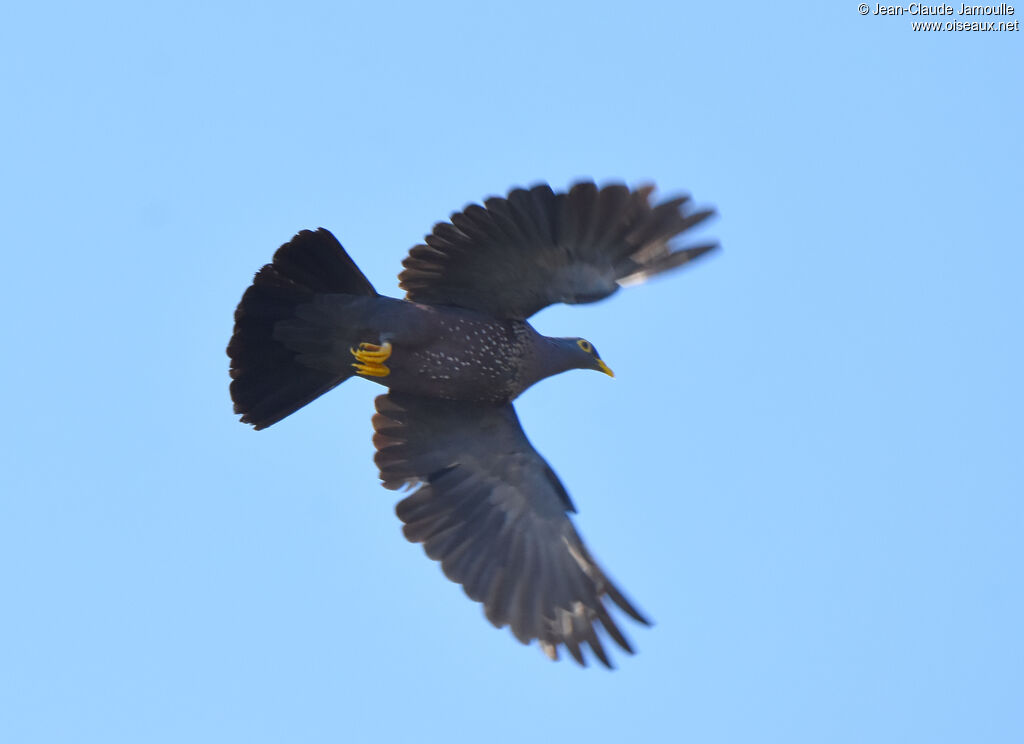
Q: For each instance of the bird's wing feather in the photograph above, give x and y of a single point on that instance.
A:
(492, 511)
(518, 254)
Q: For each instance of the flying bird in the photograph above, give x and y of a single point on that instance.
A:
(454, 354)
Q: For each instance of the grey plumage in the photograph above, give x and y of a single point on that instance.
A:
(454, 355)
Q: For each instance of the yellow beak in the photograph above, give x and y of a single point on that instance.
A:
(605, 368)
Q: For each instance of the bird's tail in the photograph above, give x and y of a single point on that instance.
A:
(268, 380)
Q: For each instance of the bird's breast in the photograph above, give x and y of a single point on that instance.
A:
(465, 359)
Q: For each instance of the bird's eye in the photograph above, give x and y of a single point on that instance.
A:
(585, 345)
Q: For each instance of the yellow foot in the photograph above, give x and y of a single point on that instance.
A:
(370, 359)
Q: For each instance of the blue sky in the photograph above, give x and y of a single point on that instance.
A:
(808, 470)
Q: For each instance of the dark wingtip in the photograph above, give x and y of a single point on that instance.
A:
(700, 250)
(667, 262)
(625, 605)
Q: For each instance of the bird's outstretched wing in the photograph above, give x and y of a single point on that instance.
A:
(492, 511)
(518, 254)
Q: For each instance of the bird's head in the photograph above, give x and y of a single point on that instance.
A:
(586, 356)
